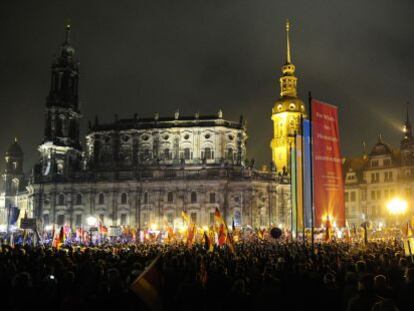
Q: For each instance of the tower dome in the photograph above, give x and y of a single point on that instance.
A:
(14, 149)
(380, 148)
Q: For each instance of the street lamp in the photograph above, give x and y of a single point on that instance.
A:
(397, 207)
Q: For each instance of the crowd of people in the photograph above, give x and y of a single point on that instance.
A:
(281, 274)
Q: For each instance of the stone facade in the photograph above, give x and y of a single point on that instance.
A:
(143, 172)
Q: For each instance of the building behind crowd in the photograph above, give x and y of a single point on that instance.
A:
(143, 172)
(373, 179)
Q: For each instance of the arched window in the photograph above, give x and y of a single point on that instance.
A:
(61, 199)
(170, 197)
(237, 218)
(212, 197)
(187, 154)
(45, 219)
(208, 154)
(230, 154)
(146, 198)
(101, 198)
(124, 198)
(167, 155)
(78, 199)
(193, 197)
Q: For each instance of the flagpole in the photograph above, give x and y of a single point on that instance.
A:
(296, 187)
(291, 192)
(311, 170)
(302, 159)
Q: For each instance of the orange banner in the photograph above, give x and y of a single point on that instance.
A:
(328, 184)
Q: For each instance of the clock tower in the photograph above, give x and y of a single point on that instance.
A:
(286, 113)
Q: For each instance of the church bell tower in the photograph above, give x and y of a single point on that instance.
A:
(286, 113)
(61, 149)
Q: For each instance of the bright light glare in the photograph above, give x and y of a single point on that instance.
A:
(397, 206)
(48, 227)
(91, 221)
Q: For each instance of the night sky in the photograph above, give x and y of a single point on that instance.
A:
(197, 55)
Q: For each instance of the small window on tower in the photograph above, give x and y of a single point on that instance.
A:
(15, 165)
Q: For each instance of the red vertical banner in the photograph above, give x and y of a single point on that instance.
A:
(328, 184)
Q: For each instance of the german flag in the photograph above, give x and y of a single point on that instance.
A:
(230, 242)
(148, 286)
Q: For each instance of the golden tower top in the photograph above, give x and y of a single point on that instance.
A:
(288, 83)
(287, 42)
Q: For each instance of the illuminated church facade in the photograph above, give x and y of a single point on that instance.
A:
(142, 171)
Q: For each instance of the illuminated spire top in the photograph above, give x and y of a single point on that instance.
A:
(67, 30)
(288, 59)
(288, 80)
(407, 126)
(67, 50)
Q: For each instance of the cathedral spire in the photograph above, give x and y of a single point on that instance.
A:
(407, 119)
(288, 81)
(67, 31)
(407, 125)
(288, 58)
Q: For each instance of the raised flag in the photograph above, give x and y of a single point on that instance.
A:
(190, 235)
(185, 217)
(299, 182)
(307, 171)
(222, 236)
(148, 286)
(327, 165)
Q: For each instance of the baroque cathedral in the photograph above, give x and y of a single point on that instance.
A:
(142, 172)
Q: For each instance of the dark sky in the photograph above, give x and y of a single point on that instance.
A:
(197, 55)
